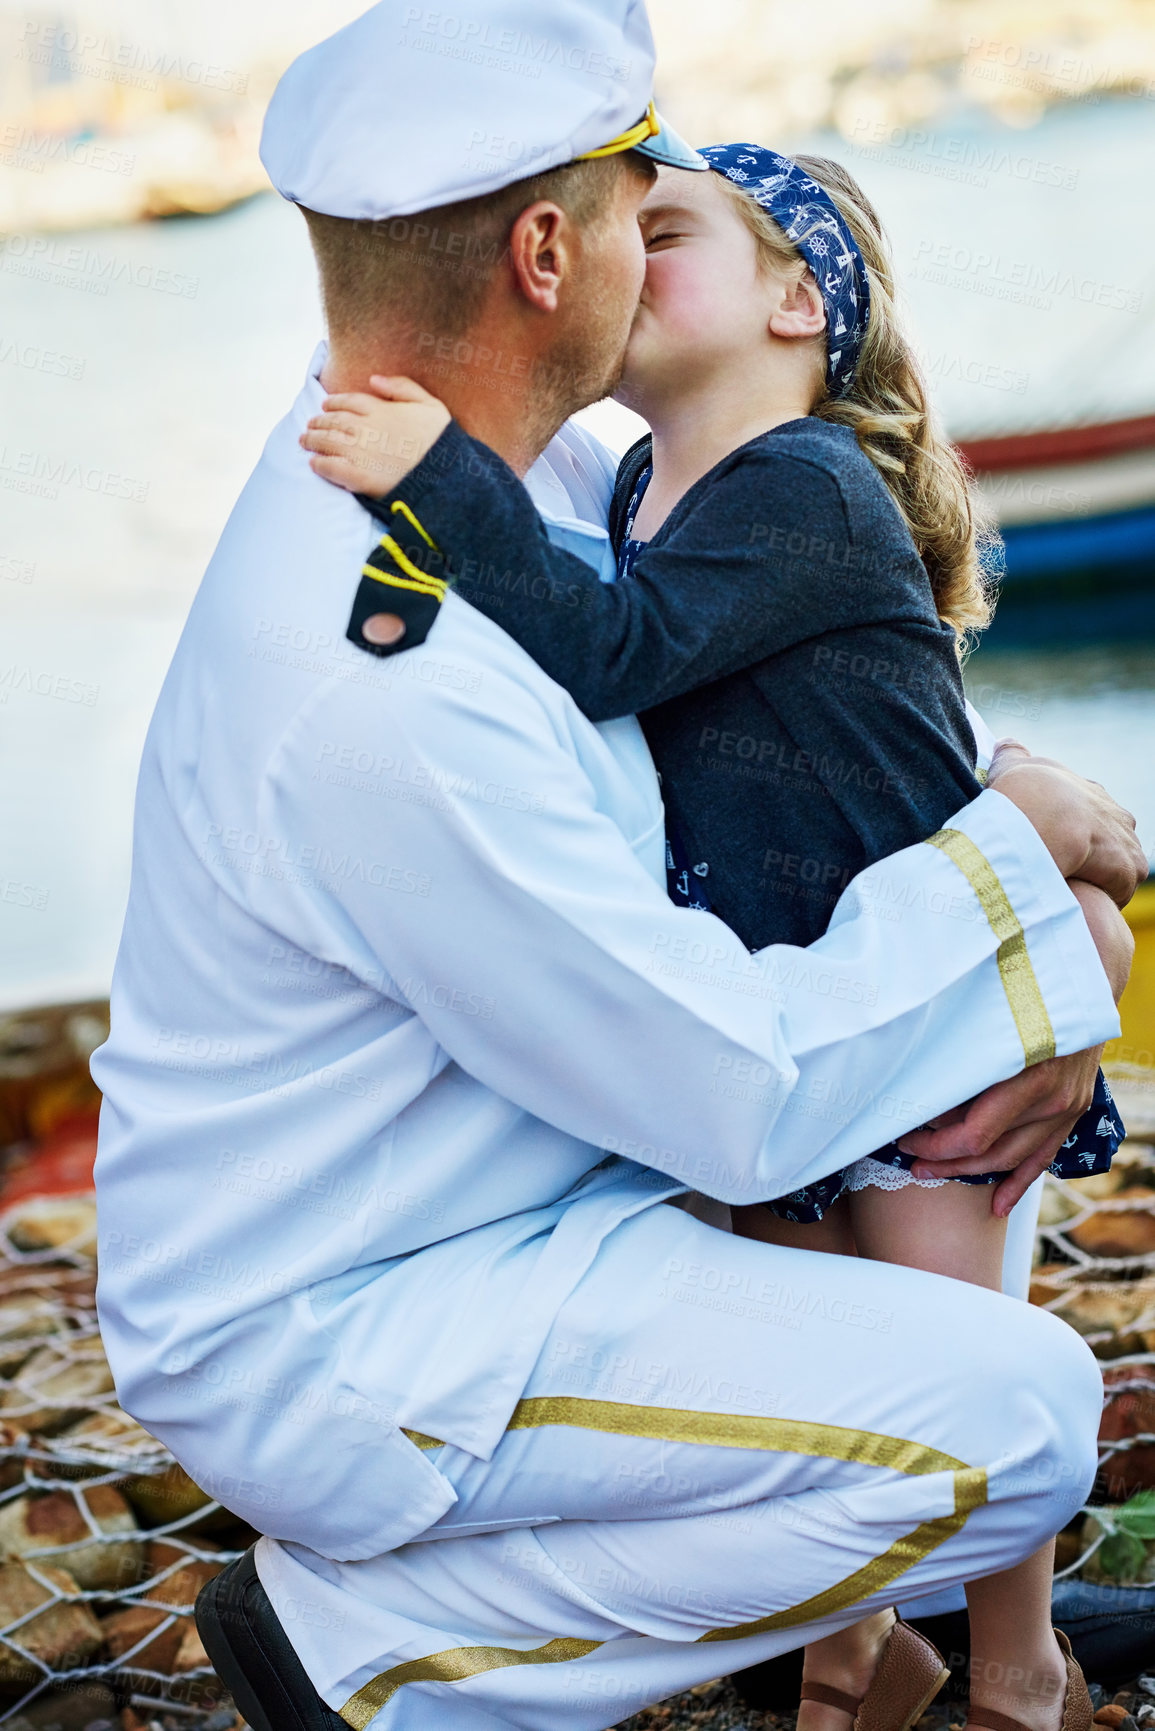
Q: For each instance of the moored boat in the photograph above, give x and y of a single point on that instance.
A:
(1075, 508)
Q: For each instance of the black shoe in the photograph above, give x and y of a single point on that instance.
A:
(253, 1656)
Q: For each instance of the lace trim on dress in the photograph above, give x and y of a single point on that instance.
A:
(868, 1172)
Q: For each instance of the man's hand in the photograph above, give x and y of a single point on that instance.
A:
(1087, 834)
(1017, 1127)
(370, 443)
(1109, 931)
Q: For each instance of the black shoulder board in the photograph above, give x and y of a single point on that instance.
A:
(400, 579)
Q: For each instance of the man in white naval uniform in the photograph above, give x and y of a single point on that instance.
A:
(410, 1053)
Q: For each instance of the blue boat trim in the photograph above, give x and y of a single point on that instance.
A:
(1117, 543)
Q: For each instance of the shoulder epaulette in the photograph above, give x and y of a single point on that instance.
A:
(399, 579)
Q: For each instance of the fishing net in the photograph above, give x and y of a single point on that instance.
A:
(105, 1541)
(1096, 1270)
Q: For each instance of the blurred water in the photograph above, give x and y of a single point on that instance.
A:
(186, 362)
(133, 416)
(1023, 262)
(1094, 709)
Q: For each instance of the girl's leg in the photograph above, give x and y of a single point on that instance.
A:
(1016, 1666)
(832, 1233)
(947, 1230)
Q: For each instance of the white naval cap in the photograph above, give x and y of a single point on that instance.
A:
(412, 106)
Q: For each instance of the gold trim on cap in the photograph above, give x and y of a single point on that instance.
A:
(647, 127)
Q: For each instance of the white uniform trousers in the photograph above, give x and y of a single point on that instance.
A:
(725, 1450)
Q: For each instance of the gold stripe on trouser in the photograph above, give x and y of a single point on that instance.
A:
(1015, 970)
(422, 1440)
(712, 1430)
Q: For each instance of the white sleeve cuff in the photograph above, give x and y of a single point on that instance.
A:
(1054, 981)
(985, 741)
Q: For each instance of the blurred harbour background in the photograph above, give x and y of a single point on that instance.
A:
(159, 310)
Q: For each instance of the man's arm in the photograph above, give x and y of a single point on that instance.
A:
(648, 1030)
(1019, 1125)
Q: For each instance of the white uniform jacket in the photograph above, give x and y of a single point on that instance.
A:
(403, 1022)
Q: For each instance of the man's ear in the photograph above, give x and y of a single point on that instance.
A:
(801, 311)
(539, 253)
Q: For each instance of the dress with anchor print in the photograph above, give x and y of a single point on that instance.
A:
(1089, 1148)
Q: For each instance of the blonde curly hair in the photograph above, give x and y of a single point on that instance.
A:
(888, 407)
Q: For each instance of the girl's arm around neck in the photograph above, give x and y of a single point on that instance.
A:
(757, 560)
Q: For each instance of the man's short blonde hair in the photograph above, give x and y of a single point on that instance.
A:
(431, 271)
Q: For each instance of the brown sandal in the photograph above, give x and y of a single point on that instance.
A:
(1078, 1708)
(910, 1674)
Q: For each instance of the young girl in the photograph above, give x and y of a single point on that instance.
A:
(797, 573)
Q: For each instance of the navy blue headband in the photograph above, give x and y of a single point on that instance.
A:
(809, 217)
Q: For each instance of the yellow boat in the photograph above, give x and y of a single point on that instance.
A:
(1130, 1060)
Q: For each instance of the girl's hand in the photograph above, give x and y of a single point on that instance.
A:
(369, 443)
